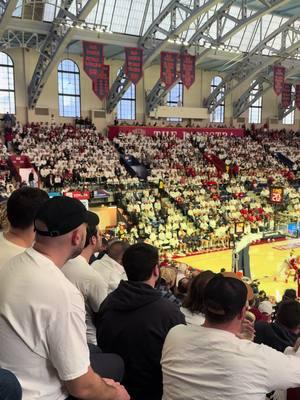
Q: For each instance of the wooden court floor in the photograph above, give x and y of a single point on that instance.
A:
(265, 261)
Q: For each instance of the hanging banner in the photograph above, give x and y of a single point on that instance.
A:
(93, 58)
(187, 69)
(286, 96)
(297, 96)
(278, 78)
(101, 84)
(168, 67)
(134, 64)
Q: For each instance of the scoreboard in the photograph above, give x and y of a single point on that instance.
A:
(276, 195)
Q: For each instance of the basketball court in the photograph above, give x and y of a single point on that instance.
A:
(265, 260)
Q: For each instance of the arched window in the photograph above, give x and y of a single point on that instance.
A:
(218, 114)
(255, 110)
(290, 118)
(175, 99)
(7, 85)
(126, 106)
(68, 89)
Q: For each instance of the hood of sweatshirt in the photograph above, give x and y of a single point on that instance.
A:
(130, 296)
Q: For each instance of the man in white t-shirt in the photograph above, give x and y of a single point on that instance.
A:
(42, 315)
(86, 279)
(110, 265)
(22, 206)
(211, 362)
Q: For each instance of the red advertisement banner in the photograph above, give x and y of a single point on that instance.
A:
(187, 69)
(93, 58)
(113, 131)
(286, 96)
(297, 97)
(101, 84)
(84, 195)
(168, 67)
(134, 64)
(278, 78)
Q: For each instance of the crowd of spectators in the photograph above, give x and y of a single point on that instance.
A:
(213, 199)
(206, 184)
(64, 155)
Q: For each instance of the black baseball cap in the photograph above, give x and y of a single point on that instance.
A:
(63, 214)
(225, 295)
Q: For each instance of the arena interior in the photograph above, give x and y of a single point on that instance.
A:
(149, 148)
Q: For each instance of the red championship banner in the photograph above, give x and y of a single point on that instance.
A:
(187, 69)
(134, 64)
(297, 96)
(278, 78)
(101, 84)
(93, 58)
(168, 67)
(286, 96)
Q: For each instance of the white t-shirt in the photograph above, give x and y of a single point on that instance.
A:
(8, 250)
(111, 272)
(92, 287)
(192, 318)
(42, 326)
(203, 364)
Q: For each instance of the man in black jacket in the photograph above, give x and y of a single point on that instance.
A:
(134, 320)
(284, 331)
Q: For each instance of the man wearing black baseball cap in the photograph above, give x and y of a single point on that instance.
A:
(212, 362)
(42, 315)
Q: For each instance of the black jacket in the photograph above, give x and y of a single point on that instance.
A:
(133, 322)
(274, 335)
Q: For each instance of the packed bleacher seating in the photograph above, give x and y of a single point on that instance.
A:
(64, 155)
(205, 198)
(197, 190)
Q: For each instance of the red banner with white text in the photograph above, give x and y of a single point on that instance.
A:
(113, 131)
(297, 97)
(278, 78)
(286, 95)
(101, 84)
(168, 67)
(134, 64)
(187, 69)
(93, 58)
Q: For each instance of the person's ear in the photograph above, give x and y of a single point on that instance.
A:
(94, 240)
(242, 314)
(75, 238)
(156, 271)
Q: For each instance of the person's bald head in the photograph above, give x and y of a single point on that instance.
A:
(117, 249)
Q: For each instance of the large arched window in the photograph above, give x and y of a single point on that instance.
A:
(218, 114)
(7, 85)
(126, 106)
(68, 89)
(255, 110)
(175, 99)
(290, 118)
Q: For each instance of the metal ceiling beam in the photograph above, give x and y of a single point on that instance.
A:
(121, 83)
(55, 44)
(252, 63)
(17, 39)
(265, 83)
(10, 6)
(159, 92)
